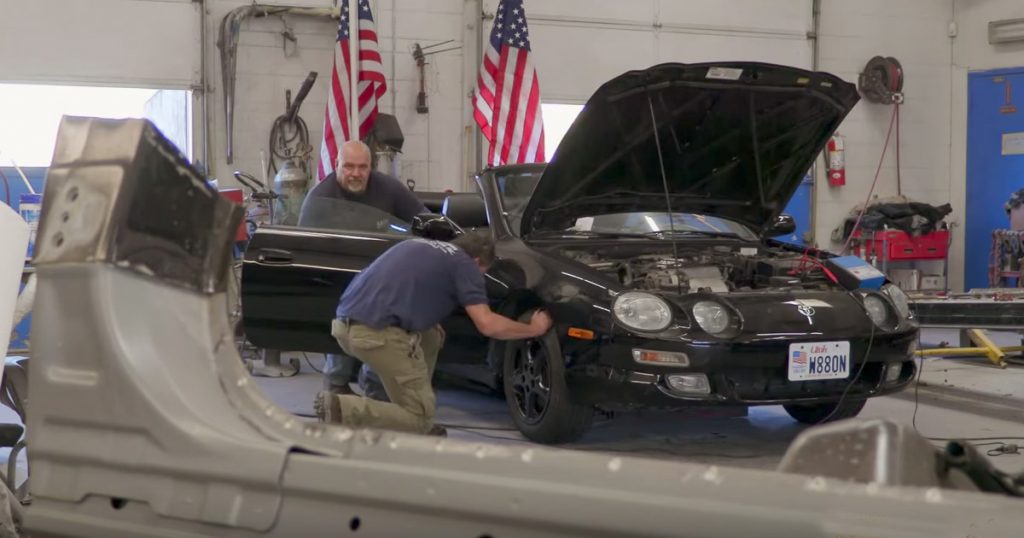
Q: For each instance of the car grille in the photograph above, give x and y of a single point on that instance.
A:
(772, 384)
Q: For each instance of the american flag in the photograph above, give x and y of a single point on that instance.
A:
(800, 357)
(507, 98)
(371, 87)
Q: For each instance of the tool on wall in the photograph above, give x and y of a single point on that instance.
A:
(288, 36)
(881, 81)
(289, 141)
(420, 55)
(385, 141)
(227, 42)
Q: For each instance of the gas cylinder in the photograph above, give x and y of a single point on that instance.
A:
(290, 184)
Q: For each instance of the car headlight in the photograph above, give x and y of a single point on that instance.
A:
(899, 299)
(713, 317)
(877, 310)
(642, 311)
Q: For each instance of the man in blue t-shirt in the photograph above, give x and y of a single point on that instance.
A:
(389, 317)
(354, 180)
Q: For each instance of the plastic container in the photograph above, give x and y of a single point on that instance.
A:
(235, 195)
(854, 273)
(899, 245)
(30, 206)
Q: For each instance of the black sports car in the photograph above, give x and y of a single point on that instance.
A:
(648, 240)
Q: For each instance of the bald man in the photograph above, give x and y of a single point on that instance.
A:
(355, 181)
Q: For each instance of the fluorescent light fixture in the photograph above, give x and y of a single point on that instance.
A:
(1005, 31)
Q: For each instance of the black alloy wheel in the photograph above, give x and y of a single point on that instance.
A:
(531, 385)
(536, 393)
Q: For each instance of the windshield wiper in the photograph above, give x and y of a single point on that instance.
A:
(669, 233)
(584, 233)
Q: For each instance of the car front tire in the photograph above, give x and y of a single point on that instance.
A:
(536, 393)
(821, 413)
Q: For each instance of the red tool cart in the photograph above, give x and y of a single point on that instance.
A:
(884, 247)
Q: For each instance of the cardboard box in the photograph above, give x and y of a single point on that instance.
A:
(907, 279)
(933, 282)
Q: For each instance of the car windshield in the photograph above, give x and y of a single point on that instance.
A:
(517, 187)
(337, 214)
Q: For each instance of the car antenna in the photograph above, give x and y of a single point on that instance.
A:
(668, 197)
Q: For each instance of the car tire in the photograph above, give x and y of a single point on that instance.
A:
(820, 413)
(536, 392)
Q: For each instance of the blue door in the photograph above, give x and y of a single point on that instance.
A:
(799, 207)
(995, 162)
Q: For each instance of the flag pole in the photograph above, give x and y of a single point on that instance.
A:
(353, 62)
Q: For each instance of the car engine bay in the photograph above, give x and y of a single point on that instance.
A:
(717, 269)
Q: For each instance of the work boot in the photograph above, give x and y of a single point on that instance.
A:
(327, 407)
(329, 385)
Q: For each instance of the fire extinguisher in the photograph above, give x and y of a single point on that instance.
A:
(836, 161)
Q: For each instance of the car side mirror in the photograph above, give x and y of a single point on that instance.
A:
(434, 226)
(783, 225)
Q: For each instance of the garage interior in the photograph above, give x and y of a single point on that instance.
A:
(903, 156)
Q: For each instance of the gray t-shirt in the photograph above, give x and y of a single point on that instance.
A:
(413, 285)
(383, 192)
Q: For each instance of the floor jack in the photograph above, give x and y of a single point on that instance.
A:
(974, 313)
(984, 347)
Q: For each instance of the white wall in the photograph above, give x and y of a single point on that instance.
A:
(580, 44)
(140, 43)
(916, 33)
(972, 52)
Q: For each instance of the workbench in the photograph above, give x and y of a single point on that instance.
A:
(998, 309)
(973, 313)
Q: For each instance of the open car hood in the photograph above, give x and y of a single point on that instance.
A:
(736, 138)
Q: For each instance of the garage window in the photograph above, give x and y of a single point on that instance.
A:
(32, 114)
(558, 117)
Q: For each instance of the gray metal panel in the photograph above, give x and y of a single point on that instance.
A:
(143, 422)
(119, 192)
(869, 451)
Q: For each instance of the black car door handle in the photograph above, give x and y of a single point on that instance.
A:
(274, 255)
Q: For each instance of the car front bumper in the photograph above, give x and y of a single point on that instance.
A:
(742, 374)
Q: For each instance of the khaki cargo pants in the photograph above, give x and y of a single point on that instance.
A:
(405, 363)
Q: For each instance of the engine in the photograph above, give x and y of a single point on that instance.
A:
(717, 269)
(660, 273)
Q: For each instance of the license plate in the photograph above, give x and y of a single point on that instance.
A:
(819, 360)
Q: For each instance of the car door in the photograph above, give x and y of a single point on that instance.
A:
(464, 344)
(292, 277)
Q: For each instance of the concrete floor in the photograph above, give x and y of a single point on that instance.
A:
(756, 441)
